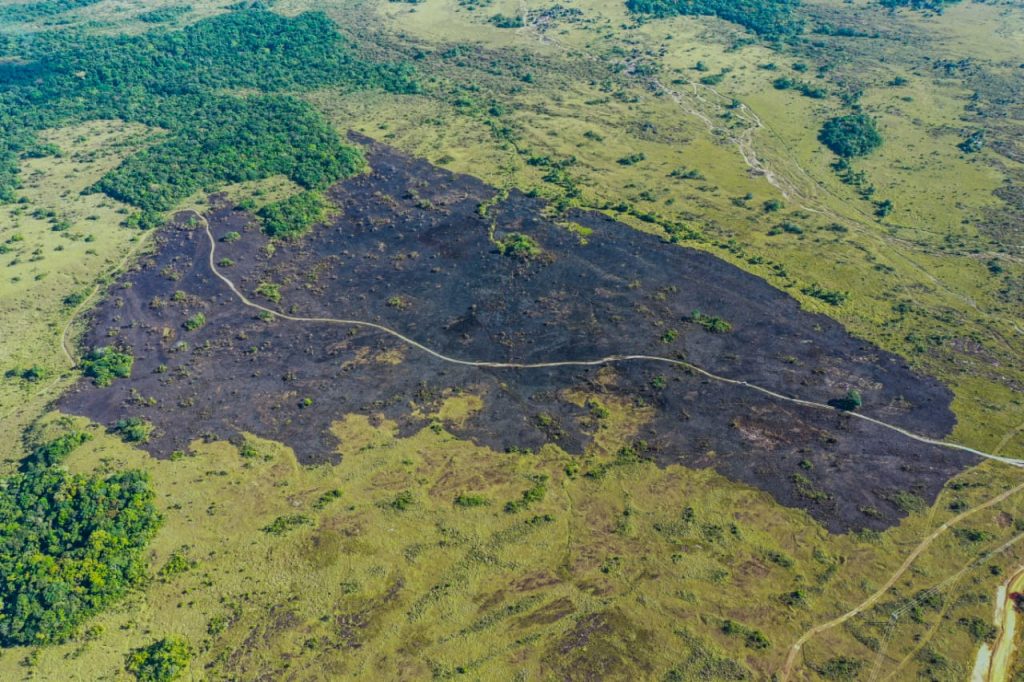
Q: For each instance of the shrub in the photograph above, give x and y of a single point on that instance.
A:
(55, 451)
(711, 323)
(104, 364)
(133, 430)
(402, 501)
(530, 495)
(292, 217)
(841, 668)
(518, 245)
(195, 322)
(851, 135)
(283, 524)
(269, 291)
(327, 498)
(165, 660)
(468, 500)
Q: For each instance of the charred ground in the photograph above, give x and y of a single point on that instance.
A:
(414, 247)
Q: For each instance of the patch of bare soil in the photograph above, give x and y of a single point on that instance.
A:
(408, 248)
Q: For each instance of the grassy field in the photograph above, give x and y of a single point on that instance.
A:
(415, 569)
(627, 575)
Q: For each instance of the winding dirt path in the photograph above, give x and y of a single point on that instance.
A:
(607, 360)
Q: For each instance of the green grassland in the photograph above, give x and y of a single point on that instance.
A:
(266, 570)
(274, 576)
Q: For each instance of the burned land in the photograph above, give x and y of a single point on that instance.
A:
(418, 249)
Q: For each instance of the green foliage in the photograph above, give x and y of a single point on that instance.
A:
(269, 291)
(55, 451)
(327, 498)
(908, 502)
(402, 501)
(933, 5)
(530, 495)
(104, 364)
(502, 21)
(177, 563)
(753, 638)
(283, 524)
(469, 500)
(34, 11)
(518, 245)
(69, 544)
(851, 135)
(33, 374)
(771, 19)
(850, 402)
(841, 668)
(293, 216)
(711, 323)
(177, 81)
(164, 14)
(165, 660)
(133, 430)
(195, 322)
(829, 296)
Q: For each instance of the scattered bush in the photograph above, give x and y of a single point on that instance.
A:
(518, 245)
(711, 323)
(851, 135)
(283, 524)
(195, 322)
(104, 364)
(165, 660)
(133, 430)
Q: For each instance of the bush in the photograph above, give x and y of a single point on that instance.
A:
(467, 500)
(195, 322)
(292, 217)
(104, 364)
(283, 524)
(852, 135)
(711, 323)
(165, 660)
(55, 451)
(133, 430)
(519, 246)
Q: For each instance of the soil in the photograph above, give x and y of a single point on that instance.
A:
(408, 247)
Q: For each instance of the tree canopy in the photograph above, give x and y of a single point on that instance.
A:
(772, 19)
(70, 544)
(851, 135)
(177, 81)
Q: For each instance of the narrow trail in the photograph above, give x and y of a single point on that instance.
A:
(607, 360)
(794, 650)
(871, 600)
(65, 345)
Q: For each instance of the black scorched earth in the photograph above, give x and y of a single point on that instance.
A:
(410, 248)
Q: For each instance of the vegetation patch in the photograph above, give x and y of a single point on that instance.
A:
(70, 544)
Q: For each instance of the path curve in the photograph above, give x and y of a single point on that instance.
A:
(607, 360)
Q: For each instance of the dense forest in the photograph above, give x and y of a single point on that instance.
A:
(177, 81)
(33, 11)
(770, 19)
(69, 544)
